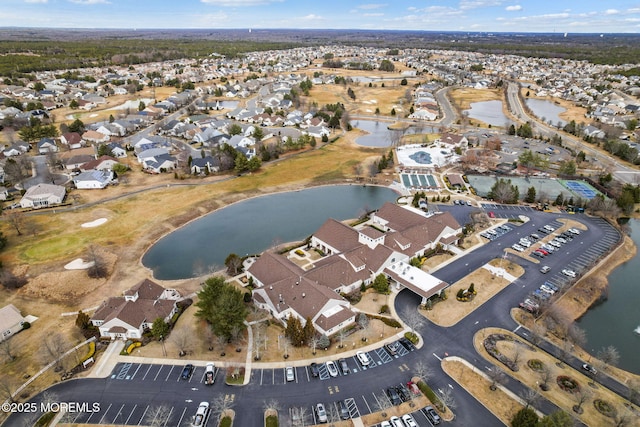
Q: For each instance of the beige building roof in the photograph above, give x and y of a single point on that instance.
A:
(9, 317)
(337, 235)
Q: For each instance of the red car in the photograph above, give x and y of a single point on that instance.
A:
(491, 214)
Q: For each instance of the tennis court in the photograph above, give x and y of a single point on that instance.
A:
(418, 181)
(581, 188)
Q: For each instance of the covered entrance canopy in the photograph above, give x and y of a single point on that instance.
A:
(418, 281)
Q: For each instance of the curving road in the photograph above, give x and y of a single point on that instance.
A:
(131, 391)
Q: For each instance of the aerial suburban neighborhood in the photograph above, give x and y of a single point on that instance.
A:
(276, 223)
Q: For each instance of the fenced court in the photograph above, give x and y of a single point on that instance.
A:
(581, 189)
(418, 181)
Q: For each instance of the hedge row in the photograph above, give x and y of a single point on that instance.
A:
(426, 390)
(91, 352)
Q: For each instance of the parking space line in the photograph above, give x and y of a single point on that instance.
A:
(158, 373)
(169, 416)
(131, 414)
(143, 414)
(273, 376)
(306, 370)
(170, 370)
(134, 374)
(104, 415)
(115, 419)
(146, 373)
(193, 374)
(261, 375)
(367, 403)
(181, 416)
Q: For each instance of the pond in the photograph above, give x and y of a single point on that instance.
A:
(546, 110)
(489, 112)
(616, 321)
(256, 224)
(229, 104)
(379, 133)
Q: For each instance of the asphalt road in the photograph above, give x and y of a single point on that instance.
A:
(129, 395)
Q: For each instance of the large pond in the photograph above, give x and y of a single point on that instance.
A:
(379, 133)
(616, 321)
(546, 111)
(251, 226)
(489, 112)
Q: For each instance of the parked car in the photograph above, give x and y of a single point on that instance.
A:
(396, 422)
(561, 239)
(543, 230)
(363, 358)
(321, 413)
(589, 368)
(569, 273)
(531, 303)
(547, 289)
(407, 344)
(552, 286)
(549, 228)
(392, 348)
(344, 367)
(385, 424)
(517, 247)
(403, 393)
(209, 374)
(201, 414)
(574, 231)
(409, 421)
(545, 269)
(187, 371)
(491, 214)
(344, 410)
(290, 374)
(394, 397)
(331, 367)
(432, 415)
(538, 254)
(315, 372)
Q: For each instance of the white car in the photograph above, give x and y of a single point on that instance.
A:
(291, 376)
(524, 243)
(201, 414)
(574, 231)
(332, 368)
(396, 422)
(209, 374)
(321, 413)
(569, 273)
(517, 247)
(549, 228)
(545, 288)
(363, 358)
(409, 421)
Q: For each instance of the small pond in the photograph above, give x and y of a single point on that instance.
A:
(379, 134)
(546, 110)
(489, 112)
(251, 226)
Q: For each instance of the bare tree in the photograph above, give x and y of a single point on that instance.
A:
(222, 342)
(577, 335)
(413, 319)
(314, 341)
(446, 397)
(299, 416)
(538, 331)
(272, 405)
(237, 336)
(529, 396)
(581, 396)
(545, 377)
(7, 350)
(516, 353)
(496, 376)
(634, 391)
(624, 417)
(565, 349)
(333, 415)
(382, 404)
(181, 338)
(609, 356)
(98, 267)
(54, 347)
(342, 335)
(157, 415)
(259, 340)
(7, 390)
(219, 406)
(17, 220)
(422, 371)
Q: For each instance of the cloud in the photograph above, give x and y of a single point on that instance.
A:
(611, 12)
(475, 4)
(513, 8)
(36, 1)
(370, 6)
(239, 3)
(372, 14)
(311, 17)
(90, 1)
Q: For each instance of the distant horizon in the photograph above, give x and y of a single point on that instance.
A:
(485, 16)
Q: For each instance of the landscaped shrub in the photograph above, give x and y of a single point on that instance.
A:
(411, 337)
(605, 408)
(568, 384)
(271, 421)
(91, 352)
(490, 345)
(384, 309)
(299, 253)
(387, 321)
(426, 390)
(225, 422)
(535, 365)
(133, 346)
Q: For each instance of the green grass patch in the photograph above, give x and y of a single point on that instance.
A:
(431, 395)
(45, 420)
(225, 422)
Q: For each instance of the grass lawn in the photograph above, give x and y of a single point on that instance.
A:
(555, 394)
(451, 311)
(463, 97)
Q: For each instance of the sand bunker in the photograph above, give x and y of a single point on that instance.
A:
(78, 264)
(95, 223)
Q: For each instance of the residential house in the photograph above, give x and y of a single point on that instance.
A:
(16, 149)
(42, 196)
(11, 321)
(203, 165)
(453, 139)
(93, 179)
(160, 163)
(95, 137)
(47, 145)
(72, 140)
(76, 161)
(116, 150)
(103, 163)
(129, 316)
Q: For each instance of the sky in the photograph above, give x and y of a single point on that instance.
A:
(572, 16)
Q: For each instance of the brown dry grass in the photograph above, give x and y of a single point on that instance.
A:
(451, 311)
(561, 398)
(573, 112)
(463, 97)
(497, 402)
(367, 98)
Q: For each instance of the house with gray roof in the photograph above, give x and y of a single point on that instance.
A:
(43, 196)
(11, 321)
(93, 179)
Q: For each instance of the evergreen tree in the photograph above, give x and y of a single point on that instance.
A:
(308, 331)
(526, 417)
(381, 284)
(222, 306)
